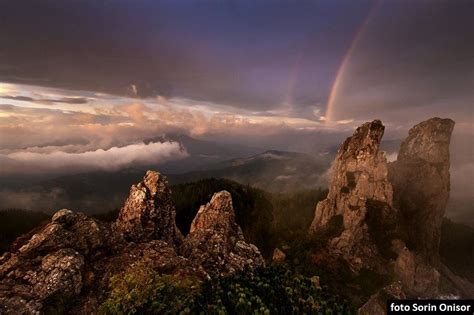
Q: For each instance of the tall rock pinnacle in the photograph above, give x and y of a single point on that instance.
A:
(421, 183)
(149, 213)
(359, 176)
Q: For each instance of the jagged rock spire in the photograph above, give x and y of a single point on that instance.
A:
(216, 241)
(148, 212)
(359, 176)
(359, 173)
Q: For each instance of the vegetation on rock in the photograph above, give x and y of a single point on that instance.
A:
(271, 290)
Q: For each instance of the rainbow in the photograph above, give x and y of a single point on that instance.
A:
(293, 79)
(345, 60)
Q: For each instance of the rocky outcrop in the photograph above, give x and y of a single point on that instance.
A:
(377, 304)
(421, 183)
(67, 264)
(393, 231)
(216, 241)
(359, 176)
(50, 265)
(155, 255)
(149, 212)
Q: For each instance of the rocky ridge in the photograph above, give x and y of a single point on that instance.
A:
(67, 264)
(391, 212)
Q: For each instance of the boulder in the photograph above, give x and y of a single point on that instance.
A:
(49, 266)
(68, 229)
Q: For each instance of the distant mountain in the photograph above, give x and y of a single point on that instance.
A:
(202, 153)
(102, 191)
(275, 171)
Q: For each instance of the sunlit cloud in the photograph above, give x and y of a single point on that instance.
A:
(95, 121)
(110, 159)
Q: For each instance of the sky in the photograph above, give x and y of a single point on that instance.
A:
(80, 80)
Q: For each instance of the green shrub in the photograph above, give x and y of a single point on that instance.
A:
(271, 290)
(142, 290)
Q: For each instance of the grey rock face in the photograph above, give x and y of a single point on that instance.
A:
(216, 241)
(421, 182)
(148, 212)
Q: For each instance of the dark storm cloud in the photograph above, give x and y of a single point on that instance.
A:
(18, 98)
(244, 53)
(63, 100)
(254, 55)
(415, 60)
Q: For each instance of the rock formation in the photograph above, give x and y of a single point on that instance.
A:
(149, 212)
(216, 241)
(395, 232)
(359, 176)
(51, 263)
(420, 179)
(67, 264)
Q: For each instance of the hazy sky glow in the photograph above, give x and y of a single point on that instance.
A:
(82, 76)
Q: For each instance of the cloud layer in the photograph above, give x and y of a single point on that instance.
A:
(110, 159)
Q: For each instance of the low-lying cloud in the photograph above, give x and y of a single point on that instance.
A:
(111, 159)
(62, 100)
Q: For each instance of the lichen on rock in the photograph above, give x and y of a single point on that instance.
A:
(148, 212)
